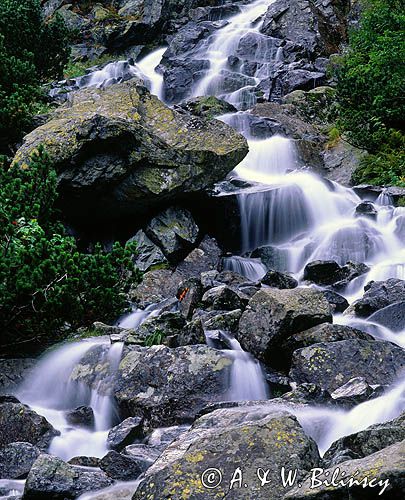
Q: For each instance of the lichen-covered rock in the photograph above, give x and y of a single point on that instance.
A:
(282, 353)
(169, 386)
(332, 364)
(364, 443)
(385, 467)
(273, 315)
(246, 437)
(174, 231)
(20, 423)
(223, 298)
(379, 294)
(206, 106)
(16, 460)
(122, 151)
(50, 478)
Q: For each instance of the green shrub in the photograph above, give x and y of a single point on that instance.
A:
(382, 169)
(45, 282)
(371, 76)
(155, 338)
(31, 51)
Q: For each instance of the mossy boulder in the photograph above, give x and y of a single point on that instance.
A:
(121, 151)
(253, 438)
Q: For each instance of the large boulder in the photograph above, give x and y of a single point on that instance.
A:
(332, 364)
(379, 294)
(50, 478)
(122, 466)
(366, 442)
(329, 272)
(148, 255)
(125, 433)
(20, 423)
(380, 475)
(169, 386)
(281, 354)
(120, 151)
(255, 438)
(16, 460)
(273, 315)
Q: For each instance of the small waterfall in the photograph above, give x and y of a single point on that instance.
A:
(241, 42)
(252, 269)
(114, 72)
(147, 67)
(247, 382)
(50, 391)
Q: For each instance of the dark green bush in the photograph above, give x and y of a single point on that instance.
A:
(32, 50)
(371, 76)
(45, 282)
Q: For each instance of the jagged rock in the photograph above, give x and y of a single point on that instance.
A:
(169, 386)
(221, 298)
(164, 283)
(332, 364)
(355, 391)
(388, 472)
(190, 293)
(337, 302)
(276, 279)
(392, 316)
(207, 107)
(174, 231)
(366, 209)
(366, 442)
(340, 161)
(20, 423)
(282, 353)
(122, 467)
(220, 440)
(222, 320)
(318, 27)
(148, 255)
(143, 453)
(82, 416)
(395, 193)
(143, 156)
(125, 433)
(13, 372)
(274, 314)
(378, 295)
(52, 478)
(16, 460)
(8, 398)
(272, 258)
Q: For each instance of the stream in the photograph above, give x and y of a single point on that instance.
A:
(303, 216)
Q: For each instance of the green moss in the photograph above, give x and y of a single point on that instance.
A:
(78, 68)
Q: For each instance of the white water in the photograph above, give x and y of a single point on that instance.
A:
(147, 67)
(252, 269)
(240, 33)
(247, 382)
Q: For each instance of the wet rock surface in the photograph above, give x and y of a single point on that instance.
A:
(16, 460)
(379, 294)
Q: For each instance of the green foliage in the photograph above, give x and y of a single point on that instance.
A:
(45, 282)
(371, 76)
(333, 137)
(78, 68)
(155, 338)
(31, 50)
(382, 169)
(401, 201)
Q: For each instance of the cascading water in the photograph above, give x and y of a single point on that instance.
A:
(252, 269)
(51, 392)
(247, 382)
(147, 67)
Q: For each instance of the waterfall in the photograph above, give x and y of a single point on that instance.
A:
(252, 269)
(147, 67)
(240, 39)
(247, 382)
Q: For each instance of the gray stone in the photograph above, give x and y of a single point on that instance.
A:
(125, 433)
(379, 294)
(148, 255)
(392, 316)
(355, 391)
(82, 416)
(222, 298)
(122, 467)
(16, 460)
(276, 279)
